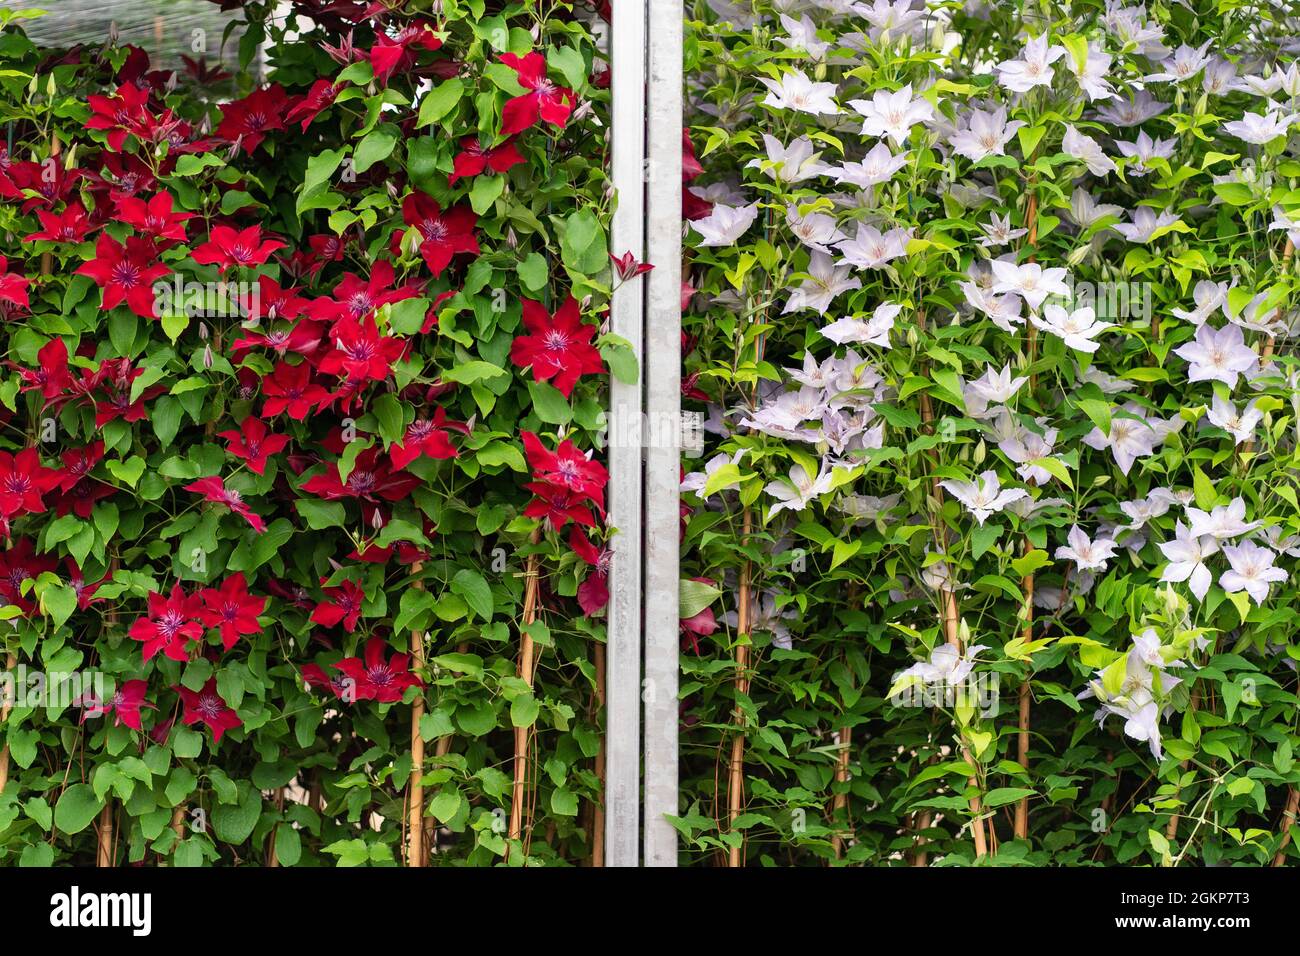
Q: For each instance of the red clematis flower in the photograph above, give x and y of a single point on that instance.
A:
(557, 506)
(155, 217)
(71, 225)
(546, 101)
(13, 288)
(355, 297)
(627, 267)
(118, 375)
(250, 119)
(126, 273)
(342, 687)
(23, 480)
(427, 437)
(376, 678)
(201, 73)
(122, 176)
(558, 347)
(319, 98)
(252, 443)
(84, 589)
(232, 609)
(593, 592)
(125, 705)
(325, 248)
(361, 353)
(369, 479)
(214, 489)
(207, 707)
(172, 622)
(51, 182)
(51, 375)
(228, 247)
(271, 301)
(392, 53)
(21, 563)
(289, 389)
(301, 338)
(474, 158)
(567, 467)
(443, 235)
(343, 604)
(119, 113)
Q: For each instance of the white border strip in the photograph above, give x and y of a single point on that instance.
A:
(663, 407)
(623, 654)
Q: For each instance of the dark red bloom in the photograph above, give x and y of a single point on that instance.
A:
(474, 158)
(557, 506)
(207, 707)
(290, 389)
(51, 375)
(392, 53)
(155, 217)
(23, 481)
(557, 347)
(369, 479)
(232, 609)
(319, 98)
(119, 114)
(341, 604)
(424, 436)
(250, 119)
(228, 247)
(361, 353)
(376, 678)
(252, 443)
(214, 489)
(172, 622)
(356, 298)
(84, 589)
(567, 468)
(593, 592)
(546, 101)
(71, 225)
(125, 705)
(342, 687)
(13, 288)
(627, 267)
(443, 235)
(17, 565)
(126, 273)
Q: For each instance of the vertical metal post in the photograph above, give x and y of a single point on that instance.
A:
(623, 655)
(663, 409)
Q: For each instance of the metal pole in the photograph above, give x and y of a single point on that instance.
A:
(623, 656)
(663, 407)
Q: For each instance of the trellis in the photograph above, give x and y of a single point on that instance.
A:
(641, 676)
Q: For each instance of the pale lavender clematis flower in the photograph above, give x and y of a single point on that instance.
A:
(1222, 521)
(725, 224)
(1186, 555)
(983, 496)
(1033, 68)
(1239, 424)
(1218, 355)
(825, 281)
(892, 114)
(1088, 554)
(984, 133)
(1086, 149)
(1252, 570)
(870, 249)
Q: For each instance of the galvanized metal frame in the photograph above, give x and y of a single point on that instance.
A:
(627, 310)
(663, 410)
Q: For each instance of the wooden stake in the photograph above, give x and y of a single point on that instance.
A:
(104, 854)
(1288, 821)
(415, 805)
(526, 668)
(949, 615)
(736, 766)
(840, 806)
(1020, 828)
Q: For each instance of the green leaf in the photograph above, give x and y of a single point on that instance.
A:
(524, 710)
(550, 404)
(440, 101)
(233, 822)
(77, 806)
(475, 590)
(695, 596)
(375, 147)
